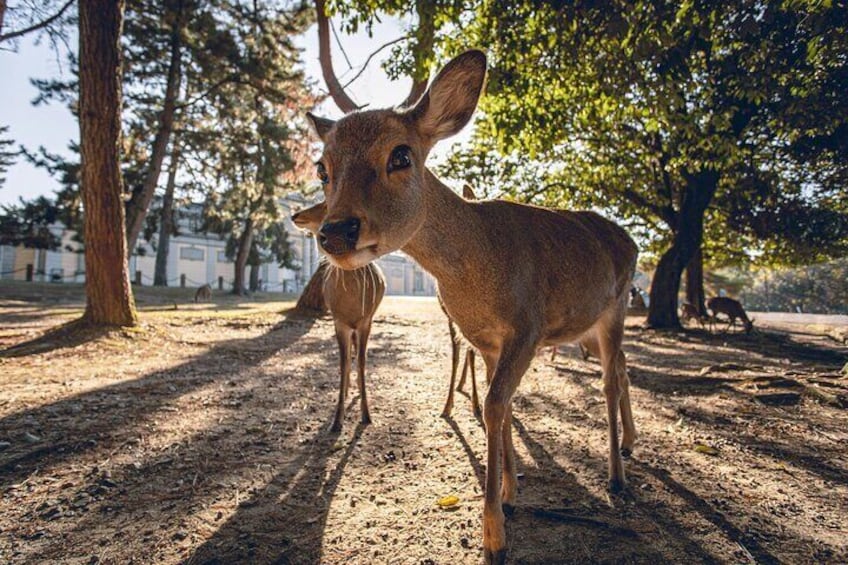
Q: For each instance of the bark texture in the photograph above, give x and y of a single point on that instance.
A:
(699, 191)
(109, 299)
(244, 242)
(695, 283)
(166, 223)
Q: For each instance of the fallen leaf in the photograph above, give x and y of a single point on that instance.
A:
(705, 449)
(448, 501)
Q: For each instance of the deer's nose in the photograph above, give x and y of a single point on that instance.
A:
(339, 237)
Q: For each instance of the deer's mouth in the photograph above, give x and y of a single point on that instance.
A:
(355, 258)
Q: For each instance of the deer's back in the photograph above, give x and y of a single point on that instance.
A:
(563, 268)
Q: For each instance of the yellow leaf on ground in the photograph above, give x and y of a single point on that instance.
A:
(448, 501)
(706, 449)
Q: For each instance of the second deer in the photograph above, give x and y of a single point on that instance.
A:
(353, 298)
(732, 309)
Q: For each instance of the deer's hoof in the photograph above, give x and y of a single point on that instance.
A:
(626, 452)
(616, 486)
(508, 509)
(497, 557)
(366, 420)
(336, 427)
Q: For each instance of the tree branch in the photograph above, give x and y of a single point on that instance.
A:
(325, 57)
(40, 25)
(374, 54)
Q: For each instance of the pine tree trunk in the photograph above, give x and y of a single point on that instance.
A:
(665, 286)
(166, 223)
(109, 299)
(695, 282)
(242, 253)
(140, 201)
(254, 278)
(312, 298)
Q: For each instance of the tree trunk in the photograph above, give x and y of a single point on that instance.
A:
(166, 223)
(140, 201)
(244, 242)
(695, 282)
(312, 298)
(254, 278)
(109, 299)
(665, 286)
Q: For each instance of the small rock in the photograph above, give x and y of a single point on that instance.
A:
(180, 535)
(5, 445)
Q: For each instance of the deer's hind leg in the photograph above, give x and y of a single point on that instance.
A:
(454, 366)
(343, 336)
(610, 333)
(362, 334)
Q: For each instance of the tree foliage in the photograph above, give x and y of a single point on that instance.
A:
(676, 114)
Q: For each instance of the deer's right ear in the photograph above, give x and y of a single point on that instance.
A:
(321, 126)
(452, 97)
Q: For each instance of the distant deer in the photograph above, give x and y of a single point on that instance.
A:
(203, 293)
(352, 297)
(637, 302)
(690, 312)
(513, 277)
(732, 309)
(456, 343)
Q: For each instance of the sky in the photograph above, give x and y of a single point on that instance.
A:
(53, 126)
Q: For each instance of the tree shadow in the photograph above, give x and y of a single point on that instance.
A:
(101, 418)
(67, 335)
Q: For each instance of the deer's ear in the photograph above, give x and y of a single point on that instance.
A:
(311, 218)
(452, 97)
(321, 126)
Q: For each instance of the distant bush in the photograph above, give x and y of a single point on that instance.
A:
(815, 289)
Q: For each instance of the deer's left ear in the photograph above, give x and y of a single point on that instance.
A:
(321, 126)
(449, 102)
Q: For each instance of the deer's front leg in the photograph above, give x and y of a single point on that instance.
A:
(362, 341)
(343, 336)
(497, 413)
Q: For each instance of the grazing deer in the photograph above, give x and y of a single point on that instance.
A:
(690, 312)
(637, 302)
(513, 277)
(203, 293)
(352, 297)
(456, 343)
(732, 309)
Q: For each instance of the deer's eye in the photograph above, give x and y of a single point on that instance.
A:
(322, 173)
(401, 158)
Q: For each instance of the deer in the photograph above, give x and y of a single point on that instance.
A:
(690, 312)
(352, 297)
(732, 309)
(513, 277)
(203, 293)
(456, 344)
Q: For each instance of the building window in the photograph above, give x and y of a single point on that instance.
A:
(418, 282)
(222, 257)
(191, 253)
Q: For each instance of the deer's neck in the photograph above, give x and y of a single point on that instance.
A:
(449, 240)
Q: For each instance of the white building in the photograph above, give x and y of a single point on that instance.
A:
(195, 259)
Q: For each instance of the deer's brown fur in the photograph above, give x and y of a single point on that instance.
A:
(732, 309)
(352, 297)
(203, 293)
(513, 277)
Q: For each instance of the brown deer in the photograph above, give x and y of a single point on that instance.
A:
(203, 293)
(352, 297)
(513, 277)
(690, 312)
(456, 344)
(732, 309)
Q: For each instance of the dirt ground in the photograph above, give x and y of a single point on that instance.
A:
(204, 437)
